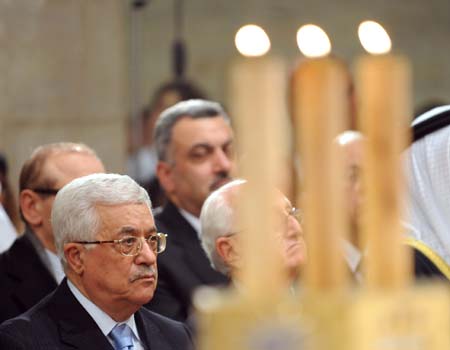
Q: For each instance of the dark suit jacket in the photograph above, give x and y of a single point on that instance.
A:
(24, 279)
(182, 267)
(60, 322)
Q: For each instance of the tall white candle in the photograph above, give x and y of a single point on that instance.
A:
(257, 103)
(383, 89)
(320, 108)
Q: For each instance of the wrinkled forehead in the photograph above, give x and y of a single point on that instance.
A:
(115, 216)
(189, 132)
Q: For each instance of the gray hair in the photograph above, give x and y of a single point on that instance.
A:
(218, 220)
(194, 109)
(74, 216)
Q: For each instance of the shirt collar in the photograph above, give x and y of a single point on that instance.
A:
(352, 255)
(101, 318)
(55, 266)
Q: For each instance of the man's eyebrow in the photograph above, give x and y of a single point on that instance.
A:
(151, 230)
(209, 145)
(228, 142)
(201, 145)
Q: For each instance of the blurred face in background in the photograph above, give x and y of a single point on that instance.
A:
(291, 237)
(351, 147)
(58, 170)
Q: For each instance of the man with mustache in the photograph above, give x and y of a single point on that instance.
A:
(194, 143)
(107, 241)
(221, 235)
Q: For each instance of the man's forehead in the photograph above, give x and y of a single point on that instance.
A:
(199, 125)
(189, 131)
(64, 167)
(126, 214)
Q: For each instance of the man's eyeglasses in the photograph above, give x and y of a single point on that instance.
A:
(295, 213)
(132, 246)
(46, 191)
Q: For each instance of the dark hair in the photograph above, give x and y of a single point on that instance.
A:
(3, 165)
(194, 109)
(185, 89)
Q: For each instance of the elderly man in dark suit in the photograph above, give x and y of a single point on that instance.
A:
(107, 241)
(194, 142)
(222, 234)
(30, 269)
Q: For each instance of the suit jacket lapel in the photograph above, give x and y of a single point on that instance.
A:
(150, 335)
(31, 273)
(184, 236)
(76, 327)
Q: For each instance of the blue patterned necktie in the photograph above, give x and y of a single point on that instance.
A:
(122, 337)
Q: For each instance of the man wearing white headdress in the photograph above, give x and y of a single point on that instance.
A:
(428, 173)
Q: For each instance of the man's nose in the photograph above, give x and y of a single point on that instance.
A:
(222, 161)
(146, 255)
(294, 229)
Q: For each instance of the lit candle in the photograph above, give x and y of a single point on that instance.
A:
(257, 105)
(383, 89)
(320, 87)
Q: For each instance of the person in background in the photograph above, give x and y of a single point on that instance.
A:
(194, 142)
(427, 166)
(221, 234)
(142, 162)
(30, 269)
(350, 145)
(108, 245)
(7, 197)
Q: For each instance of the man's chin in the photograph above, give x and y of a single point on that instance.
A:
(144, 297)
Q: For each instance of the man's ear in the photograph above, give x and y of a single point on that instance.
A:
(74, 253)
(164, 171)
(227, 251)
(31, 207)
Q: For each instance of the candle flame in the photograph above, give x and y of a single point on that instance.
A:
(251, 40)
(313, 41)
(374, 38)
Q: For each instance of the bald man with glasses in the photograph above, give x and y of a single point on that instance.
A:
(30, 269)
(221, 236)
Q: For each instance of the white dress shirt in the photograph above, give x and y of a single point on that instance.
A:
(353, 258)
(55, 266)
(102, 319)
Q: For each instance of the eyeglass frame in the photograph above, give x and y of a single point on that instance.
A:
(292, 211)
(295, 213)
(158, 235)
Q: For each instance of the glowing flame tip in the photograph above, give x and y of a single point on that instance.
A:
(374, 38)
(313, 41)
(251, 40)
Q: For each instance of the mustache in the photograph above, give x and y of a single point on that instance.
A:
(144, 271)
(218, 180)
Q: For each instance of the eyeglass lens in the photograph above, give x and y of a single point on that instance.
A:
(133, 245)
